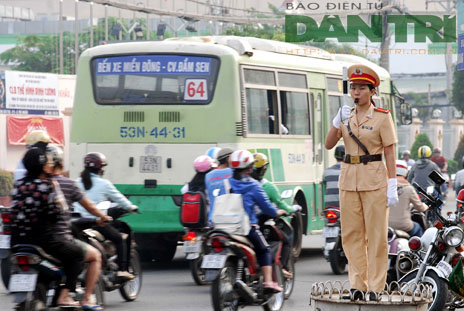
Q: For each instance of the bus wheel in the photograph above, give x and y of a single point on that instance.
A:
(297, 224)
(166, 252)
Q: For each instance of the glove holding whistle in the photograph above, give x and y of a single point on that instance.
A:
(342, 114)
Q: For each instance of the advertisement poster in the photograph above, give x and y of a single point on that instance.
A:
(18, 127)
(30, 93)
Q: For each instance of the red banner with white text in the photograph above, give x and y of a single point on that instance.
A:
(18, 127)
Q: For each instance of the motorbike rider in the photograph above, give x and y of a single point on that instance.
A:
(422, 168)
(241, 162)
(98, 189)
(38, 210)
(330, 179)
(214, 179)
(202, 165)
(260, 165)
(442, 163)
(36, 138)
(400, 214)
(458, 183)
(407, 158)
(72, 193)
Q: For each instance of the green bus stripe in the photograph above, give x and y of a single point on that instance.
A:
(277, 166)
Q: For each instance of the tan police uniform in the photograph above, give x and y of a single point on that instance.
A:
(363, 193)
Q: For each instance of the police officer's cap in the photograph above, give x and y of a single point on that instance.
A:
(362, 74)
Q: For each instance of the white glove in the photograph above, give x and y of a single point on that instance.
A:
(296, 208)
(134, 209)
(345, 114)
(392, 193)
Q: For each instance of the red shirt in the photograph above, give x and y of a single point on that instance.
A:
(439, 160)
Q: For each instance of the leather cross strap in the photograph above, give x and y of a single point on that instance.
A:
(360, 144)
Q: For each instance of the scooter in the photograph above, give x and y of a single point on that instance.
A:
(237, 279)
(333, 250)
(195, 248)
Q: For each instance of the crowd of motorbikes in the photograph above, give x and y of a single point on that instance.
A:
(35, 278)
(430, 259)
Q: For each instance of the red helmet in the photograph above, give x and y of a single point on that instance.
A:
(460, 197)
(241, 159)
(95, 160)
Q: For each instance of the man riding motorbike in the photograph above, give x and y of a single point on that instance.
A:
(259, 169)
(241, 162)
(98, 190)
(422, 168)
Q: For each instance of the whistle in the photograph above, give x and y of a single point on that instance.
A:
(356, 101)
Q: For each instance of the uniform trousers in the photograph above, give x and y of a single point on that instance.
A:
(364, 226)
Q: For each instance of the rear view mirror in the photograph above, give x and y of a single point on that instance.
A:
(437, 178)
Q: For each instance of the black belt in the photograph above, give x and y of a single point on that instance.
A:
(356, 159)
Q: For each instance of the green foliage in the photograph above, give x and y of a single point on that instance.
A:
(459, 153)
(452, 166)
(6, 182)
(421, 140)
(458, 90)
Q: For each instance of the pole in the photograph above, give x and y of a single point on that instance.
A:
(106, 23)
(76, 35)
(91, 24)
(61, 37)
(384, 61)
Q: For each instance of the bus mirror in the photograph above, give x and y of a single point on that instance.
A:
(287, 194)
(405, 113)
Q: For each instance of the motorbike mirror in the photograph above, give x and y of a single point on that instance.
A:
(287, 194)
(437, 177)
(430, 190)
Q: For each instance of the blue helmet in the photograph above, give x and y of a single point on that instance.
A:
(213, 152)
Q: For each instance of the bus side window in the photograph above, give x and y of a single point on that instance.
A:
(295, 113)
(262, 111)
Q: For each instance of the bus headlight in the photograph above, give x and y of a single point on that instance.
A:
(453, 236)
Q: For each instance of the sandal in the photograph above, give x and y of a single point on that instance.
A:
(287, 274)
(92, 308)
(72, 305)
(272, 287)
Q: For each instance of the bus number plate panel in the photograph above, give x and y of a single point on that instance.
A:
(150, 164)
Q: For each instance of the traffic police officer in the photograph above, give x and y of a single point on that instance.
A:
(367, 185)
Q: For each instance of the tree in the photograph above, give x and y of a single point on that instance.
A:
(421, 140)
(458, 91)
(459, 152)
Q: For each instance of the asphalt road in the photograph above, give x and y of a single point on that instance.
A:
(171, 287)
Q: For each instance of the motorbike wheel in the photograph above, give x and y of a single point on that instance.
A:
(439, 289)
(6, 270)
(277, 300)
(130, 290)
(35, 301)
(337, 261)
(222, 290)
(297, 224)
(198, 273)
(289, 284)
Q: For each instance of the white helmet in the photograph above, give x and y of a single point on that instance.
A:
(401, 168)
(241, 159)
(56, 153)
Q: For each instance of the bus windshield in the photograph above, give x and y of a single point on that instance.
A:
(154, 79)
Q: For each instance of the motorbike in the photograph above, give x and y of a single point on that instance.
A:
(237, 279)
(195, 248)
(397, 245)
(36, 279)
(333, 250)
(129, 289)
(5, 236)
(433, 256)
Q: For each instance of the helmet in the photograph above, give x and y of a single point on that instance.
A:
(203, 163)
(95, 160)
(401, 168)
(213, 152)
(56, 153)
(460, 197)
(339, 152)
(424, 152)
(224, 153)
(34, 160)
(33, 137)
(260, 160)
(436, 150)
(406, 152)
(241, 159)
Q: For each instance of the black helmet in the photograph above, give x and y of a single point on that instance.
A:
(340, 152)
(95, 160)
(34, 161)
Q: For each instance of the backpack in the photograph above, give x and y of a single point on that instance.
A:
(193, 211)
(229, 215)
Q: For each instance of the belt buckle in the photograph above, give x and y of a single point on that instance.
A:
(355, 159)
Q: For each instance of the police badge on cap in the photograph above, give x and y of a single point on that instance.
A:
(359, 73)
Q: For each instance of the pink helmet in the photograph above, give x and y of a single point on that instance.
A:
(203, 163)
(241, 159)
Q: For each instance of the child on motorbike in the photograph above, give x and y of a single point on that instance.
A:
(259, 169)
(241, 162)
(98, 190)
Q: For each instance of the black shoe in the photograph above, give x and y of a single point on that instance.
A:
(355, 294)
(373, 296)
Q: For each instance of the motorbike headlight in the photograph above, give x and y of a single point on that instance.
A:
(453, 236)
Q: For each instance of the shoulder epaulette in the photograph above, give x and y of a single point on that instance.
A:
(381, 110)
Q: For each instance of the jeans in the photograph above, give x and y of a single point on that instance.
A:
(416, 230)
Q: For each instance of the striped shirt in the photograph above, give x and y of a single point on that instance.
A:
(330, 181)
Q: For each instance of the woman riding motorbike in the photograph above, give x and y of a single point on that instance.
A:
(98, 190)
(241, 161)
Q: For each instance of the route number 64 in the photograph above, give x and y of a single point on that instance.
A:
(196, 89)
